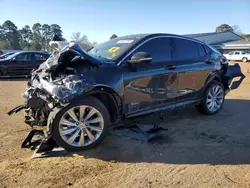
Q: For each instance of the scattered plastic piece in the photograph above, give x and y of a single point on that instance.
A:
(142, 132)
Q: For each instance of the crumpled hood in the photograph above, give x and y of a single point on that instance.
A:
(56, 57)
(67, 86)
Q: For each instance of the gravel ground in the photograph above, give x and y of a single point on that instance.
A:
(197, 151)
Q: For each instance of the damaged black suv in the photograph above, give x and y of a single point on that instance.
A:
(78, 94)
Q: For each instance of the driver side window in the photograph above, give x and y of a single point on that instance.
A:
(159, 49)
(21, 57)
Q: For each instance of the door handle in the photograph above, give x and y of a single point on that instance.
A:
(171, 67)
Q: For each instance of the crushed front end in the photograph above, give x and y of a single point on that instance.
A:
(50, 89)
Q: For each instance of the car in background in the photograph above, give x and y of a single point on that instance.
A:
(6, 55)
(238, 56)
(22, 63)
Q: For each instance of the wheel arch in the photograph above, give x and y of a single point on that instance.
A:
(110, 98)
(213, 76)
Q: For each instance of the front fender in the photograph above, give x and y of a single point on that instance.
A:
(103, 88)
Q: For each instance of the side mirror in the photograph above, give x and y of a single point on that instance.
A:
(140, 57)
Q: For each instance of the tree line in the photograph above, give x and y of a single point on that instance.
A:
(234, 28)
(36, 37)
(39, 35)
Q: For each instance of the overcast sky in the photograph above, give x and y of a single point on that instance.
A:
(99, 19)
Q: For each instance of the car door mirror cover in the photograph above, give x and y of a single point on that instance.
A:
(140, 57)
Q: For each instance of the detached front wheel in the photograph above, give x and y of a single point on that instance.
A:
(81, 125)
(213, 99)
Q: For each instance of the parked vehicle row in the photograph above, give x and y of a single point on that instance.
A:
(21, 63)
(77, 95)
(238, 56)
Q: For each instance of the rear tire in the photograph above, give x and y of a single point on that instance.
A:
(244, 59)
(81, 125)
(213, 99)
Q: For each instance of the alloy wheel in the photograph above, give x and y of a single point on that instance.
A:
(81, 126)
(215, 98)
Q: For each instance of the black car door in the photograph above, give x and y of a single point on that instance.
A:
(38, 59)
(150, 85)
(16, 65)
(29, 62)
(190, 59)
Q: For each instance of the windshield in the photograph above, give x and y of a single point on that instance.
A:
(114, 48)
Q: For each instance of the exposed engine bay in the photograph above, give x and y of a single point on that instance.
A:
(55, 83)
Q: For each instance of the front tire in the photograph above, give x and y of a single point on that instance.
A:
(81, 125)
(213, 99)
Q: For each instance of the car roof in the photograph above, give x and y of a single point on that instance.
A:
(145, 36)
(40, 52)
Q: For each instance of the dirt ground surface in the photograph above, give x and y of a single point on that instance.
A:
(197, 151)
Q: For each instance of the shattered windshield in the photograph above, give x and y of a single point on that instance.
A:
(114, 48)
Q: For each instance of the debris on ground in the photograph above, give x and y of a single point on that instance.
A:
(46, 147)
(139, 131)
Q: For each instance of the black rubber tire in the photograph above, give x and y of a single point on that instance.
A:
(244, 59)
(202, 107)
(91, 101)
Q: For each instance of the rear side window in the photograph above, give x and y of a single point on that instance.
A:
(29, 57)
(208, 50)
(24, 57)
(243, 53)
(201, 50)
(21, 57)
(40, 57)
(159, 49)
(186, 49)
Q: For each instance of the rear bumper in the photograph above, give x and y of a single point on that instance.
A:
(230, 73)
